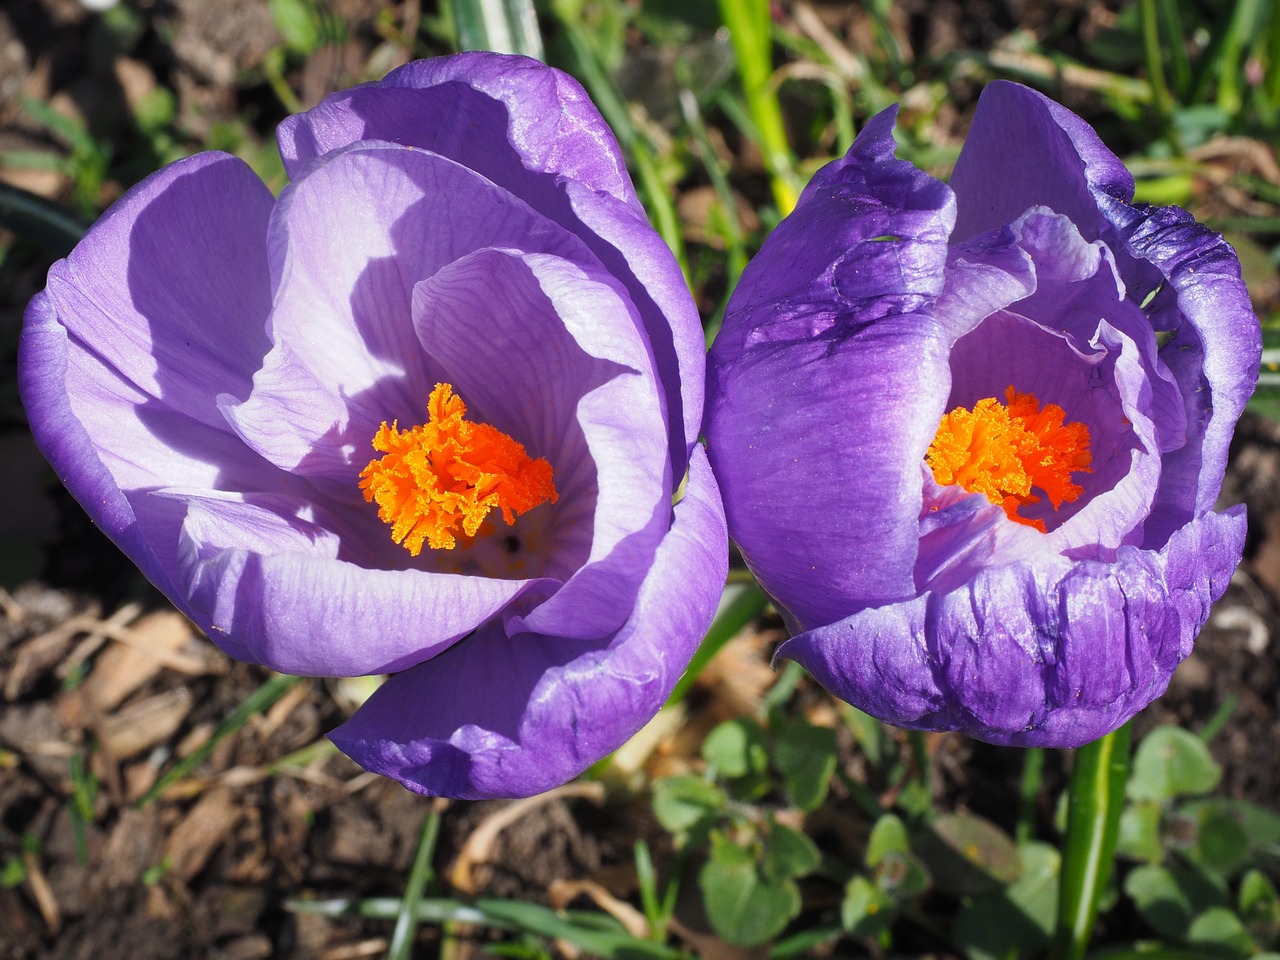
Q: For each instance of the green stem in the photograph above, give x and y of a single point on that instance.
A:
(420, 875)
(1094, 803)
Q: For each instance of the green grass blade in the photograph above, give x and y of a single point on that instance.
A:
(420, 874)
(1094, 802)
(504, 26)
(256, 702)
(750, 34)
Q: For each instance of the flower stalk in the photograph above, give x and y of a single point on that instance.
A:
(1094, 803)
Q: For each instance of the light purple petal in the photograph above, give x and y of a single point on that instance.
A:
(532, 130)
(515, 120)
(1023, 150)
(572, 389)
(445, 729)
(175, 270)
(350, 241)
(831, 355)
(266, 584)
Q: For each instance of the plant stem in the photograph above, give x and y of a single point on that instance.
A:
(419, 876)
(1094, 803)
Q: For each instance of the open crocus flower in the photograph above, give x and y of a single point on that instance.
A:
(970, 438)
(425, 414)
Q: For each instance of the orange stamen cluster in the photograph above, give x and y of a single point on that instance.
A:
(1002, 451)
(438, 481)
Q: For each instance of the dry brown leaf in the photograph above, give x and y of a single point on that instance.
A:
(193, 841)
(144, 724)
(149, 645)
(562, 893)
(478, 848)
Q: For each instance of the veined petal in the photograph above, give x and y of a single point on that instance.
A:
(1213, 353)
(163, 302)
(1052, 653)
(1022, 151)
(579, 392)
(267, 585)
(350, 240)
(443, 729)
(513, 119)
(831, 355)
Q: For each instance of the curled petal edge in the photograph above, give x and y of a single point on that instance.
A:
(899, 662)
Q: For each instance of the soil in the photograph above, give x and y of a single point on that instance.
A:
(103, 687)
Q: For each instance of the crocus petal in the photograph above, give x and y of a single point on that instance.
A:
(112, 403)
(267, 584)
(1022, 151)
(1050, 654)
(1213, 354)
(515, 120)
(532, 130)
(350, 241)
(596, 394)
(835, 316)
(444, 729)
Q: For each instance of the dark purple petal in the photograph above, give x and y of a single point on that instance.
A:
(831, 355)
(1048, 652)
(1213, 353)
(445, 728)
(1023, 150)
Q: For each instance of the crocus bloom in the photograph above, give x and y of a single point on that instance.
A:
(425, 414)
(970, 438)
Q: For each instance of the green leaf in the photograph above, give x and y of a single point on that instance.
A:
(298, 23)
(1221, 846)
(805, 755)
(1140, 832)
(14, 873)
(744, 907)
(968, 855)
(736, 748)
(1260, 906)
(504, 26)
(681, 802)
(889, 835)
(1172, 762)
(788, 854)
(866, 910)
(1219, 927)
(1017, 921)
(1168, 900)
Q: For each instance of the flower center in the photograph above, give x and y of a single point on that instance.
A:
(1003, 450)
(438, 481)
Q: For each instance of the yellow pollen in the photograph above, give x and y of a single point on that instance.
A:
(438, 481)
(1003, 450)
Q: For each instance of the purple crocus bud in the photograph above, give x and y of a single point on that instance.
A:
(970, 438)
(424, 414)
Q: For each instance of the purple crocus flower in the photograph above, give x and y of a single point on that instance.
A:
(970, 438)
(459, 273)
